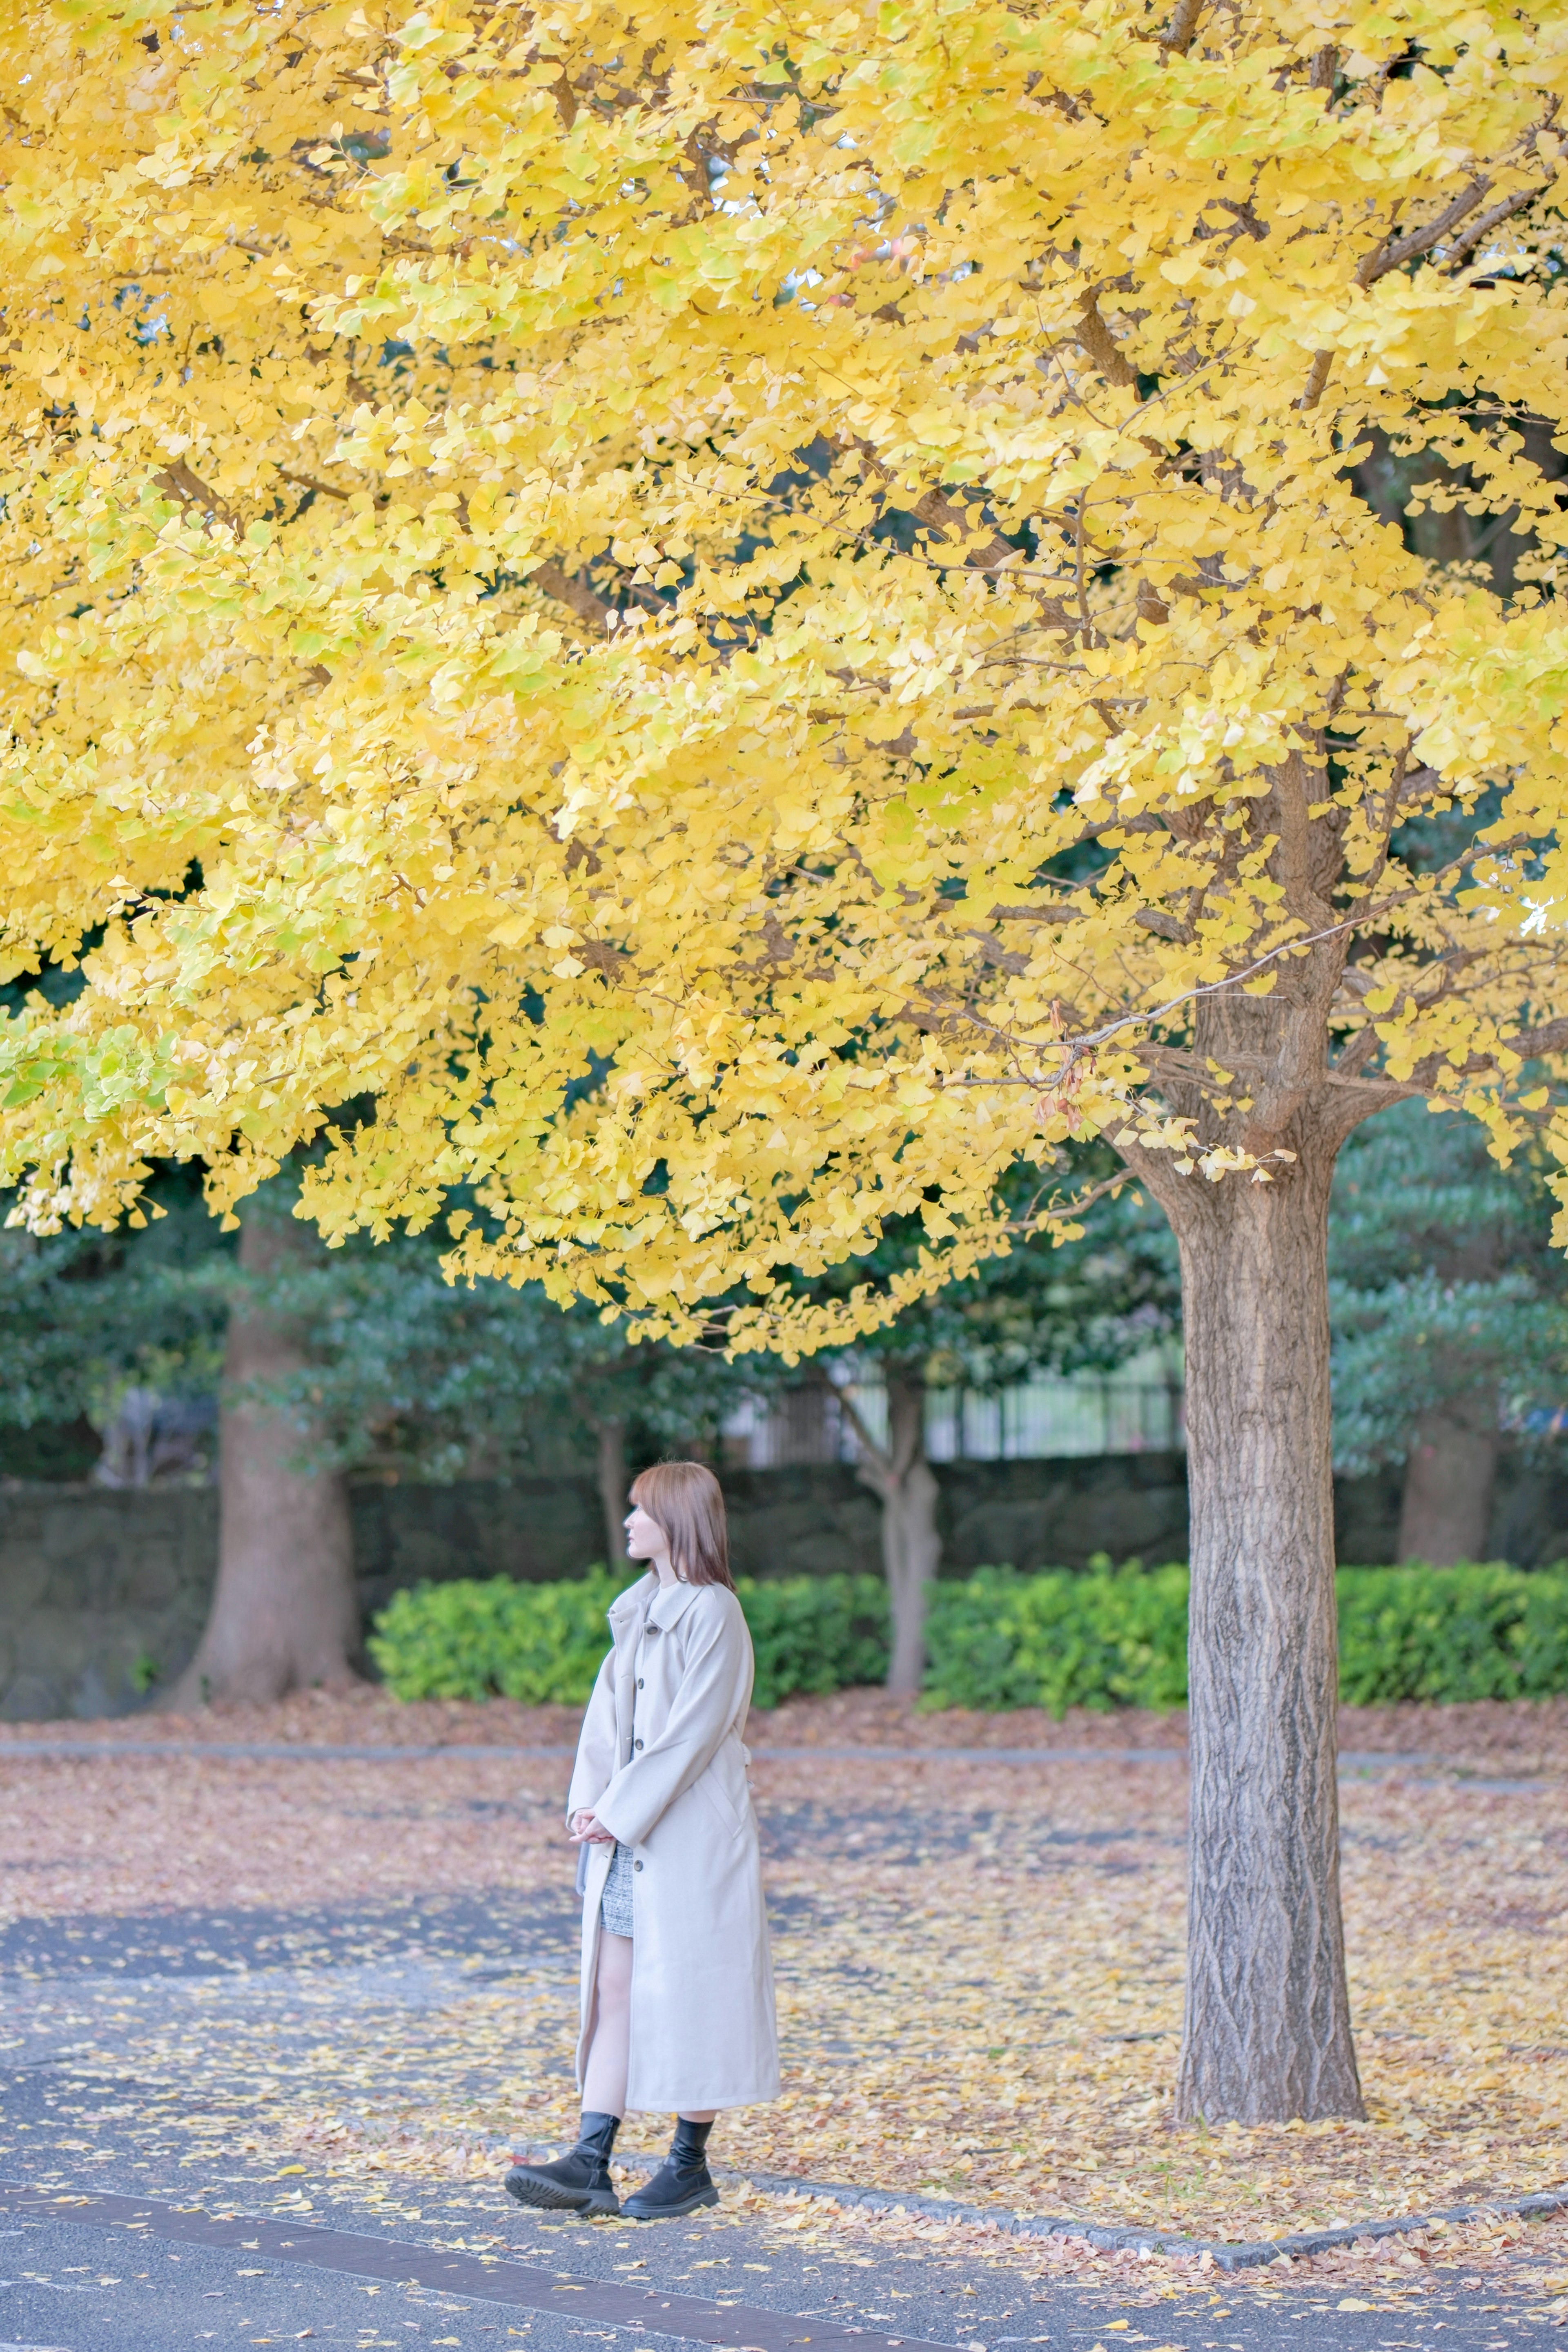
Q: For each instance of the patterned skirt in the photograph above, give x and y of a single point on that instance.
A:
(615, 1904)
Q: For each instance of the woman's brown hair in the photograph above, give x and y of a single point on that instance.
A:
(688, 1503)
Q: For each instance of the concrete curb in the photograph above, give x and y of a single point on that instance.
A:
(1225, 2253)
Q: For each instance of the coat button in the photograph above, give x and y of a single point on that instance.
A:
(636, 1743)
(636, 1866)
(639, 1682)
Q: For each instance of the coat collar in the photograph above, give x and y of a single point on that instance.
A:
(670, 1604)
(648, 1603)
(629, 1607)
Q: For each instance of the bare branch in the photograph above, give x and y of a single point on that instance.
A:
(1164, 927)
(1063, 1213)
(1037, 914)
(309, 482)
(1395, 253)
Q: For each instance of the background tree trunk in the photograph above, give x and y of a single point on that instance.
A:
(1267, 2034)
(1445, 1511)
(611, 1472)
(900, 1474)
(285, 1615)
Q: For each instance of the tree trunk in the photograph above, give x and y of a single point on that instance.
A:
(1264, 1109)
(900, 1474)
(1267, 2034)
(610, 1470)
(1446, 1510)
(285, 1615)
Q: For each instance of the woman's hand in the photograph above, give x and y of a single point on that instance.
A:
(584, 1829)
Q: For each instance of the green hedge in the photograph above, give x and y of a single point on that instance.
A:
(1105, 1638)
(1452, 1633)
(539, 1643)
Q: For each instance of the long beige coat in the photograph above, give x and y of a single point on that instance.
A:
(674, 1789)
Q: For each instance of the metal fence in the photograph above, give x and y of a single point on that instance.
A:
(1131, 1412)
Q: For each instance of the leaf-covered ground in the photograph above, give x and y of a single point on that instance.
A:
(978, 1959)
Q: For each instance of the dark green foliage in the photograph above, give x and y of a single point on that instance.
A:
(407, 1372)
(472, 1639)
(1445, 1289)
(85, 1314)
(816, 1633)
(543, 1643)
(440, 1379)
(1108, 1638)
(1086, 1305)
(1451, 1633)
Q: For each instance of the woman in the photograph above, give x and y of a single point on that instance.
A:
(677, 1985)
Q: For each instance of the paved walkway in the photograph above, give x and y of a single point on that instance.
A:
(119, 2273)
(144, 2275)
(110, 2243)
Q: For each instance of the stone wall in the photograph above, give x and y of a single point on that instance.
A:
(98, 1590)
(103, 1592)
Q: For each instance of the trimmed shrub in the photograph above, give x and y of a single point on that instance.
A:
(1105, 1639)
(492, 1638)
(816, 1633)
(539, 1643)
(1452, 1633)
(1119, 1638)
(1102, 1638)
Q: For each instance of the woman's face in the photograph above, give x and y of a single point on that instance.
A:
(646, 1538)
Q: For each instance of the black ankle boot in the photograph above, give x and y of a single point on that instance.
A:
(575, 2183)
(683, 2182)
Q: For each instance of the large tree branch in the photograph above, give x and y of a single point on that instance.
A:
(878, 1468)
(1393, 253)
(1179, 34)
(1552, 1038)
(939, 512)
(1397, 252)
(1101, 345)
(1464, 246)
(179, 482)
(574, 594)
(1356, 1099)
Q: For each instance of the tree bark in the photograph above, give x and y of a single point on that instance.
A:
(1267, 2034)
(900, 1474)
(611, 1472)
(285, 1615)
(1446, 1509)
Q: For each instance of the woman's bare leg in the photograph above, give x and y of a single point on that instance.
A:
(609, 2053)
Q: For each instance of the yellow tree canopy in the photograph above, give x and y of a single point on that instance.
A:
(711, 615)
